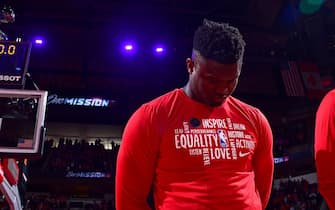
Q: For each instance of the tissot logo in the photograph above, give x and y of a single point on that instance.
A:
(92, 102)
(9, 78)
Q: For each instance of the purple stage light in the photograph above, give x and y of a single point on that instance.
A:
(128, 47)
(38, 41)
(159, 50)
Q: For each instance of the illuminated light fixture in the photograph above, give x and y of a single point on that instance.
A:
(38, 41)
(159, 50)
(128, 47)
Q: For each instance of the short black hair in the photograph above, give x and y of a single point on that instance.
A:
(219, 41)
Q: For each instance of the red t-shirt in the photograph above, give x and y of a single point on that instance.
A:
(195, 156)
(325, 148)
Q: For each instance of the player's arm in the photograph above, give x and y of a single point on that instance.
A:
(263, 162)
(325, 148)
(136, 161)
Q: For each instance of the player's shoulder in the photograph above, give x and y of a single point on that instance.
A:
(330, 95)
(328, 103)
(246, 109)
(165, 99)
(162, 102)
(242, 104)
(251, 113)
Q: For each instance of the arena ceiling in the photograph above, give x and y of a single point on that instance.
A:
(81, 55)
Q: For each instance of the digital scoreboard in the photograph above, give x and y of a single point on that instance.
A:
(14, 59)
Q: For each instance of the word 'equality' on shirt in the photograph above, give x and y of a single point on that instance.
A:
(195, 140)
(189, 141)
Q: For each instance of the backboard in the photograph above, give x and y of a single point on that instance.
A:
(22, 115)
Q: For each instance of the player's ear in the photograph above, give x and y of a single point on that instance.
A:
(189, 65)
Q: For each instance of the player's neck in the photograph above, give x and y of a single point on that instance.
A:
(187, 90)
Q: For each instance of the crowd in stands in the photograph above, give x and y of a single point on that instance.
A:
(290, 195)
(75, 156)
(288, 136)
(62, 202)
(295, 195)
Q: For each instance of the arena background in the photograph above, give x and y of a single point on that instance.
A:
(81, 57)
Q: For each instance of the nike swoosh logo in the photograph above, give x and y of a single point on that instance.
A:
(243, 154)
